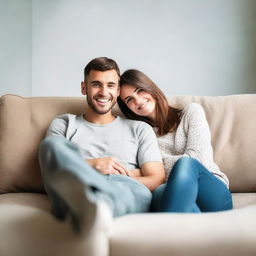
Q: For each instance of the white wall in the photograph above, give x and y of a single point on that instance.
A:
(200, 47)
(15, 47)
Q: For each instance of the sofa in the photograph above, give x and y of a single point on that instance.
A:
(27, 227)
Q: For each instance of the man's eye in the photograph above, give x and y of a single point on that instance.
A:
(95, 85)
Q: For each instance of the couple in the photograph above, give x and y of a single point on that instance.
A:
(97, 166)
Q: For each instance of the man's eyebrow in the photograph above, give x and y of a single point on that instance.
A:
(95, 81)
(99, 82)
(136, 89)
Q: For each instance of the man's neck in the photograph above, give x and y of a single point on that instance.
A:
(95, 118)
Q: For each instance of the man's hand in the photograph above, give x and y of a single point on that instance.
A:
(108, 165)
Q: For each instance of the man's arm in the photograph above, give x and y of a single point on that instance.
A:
(149, 158)
(108, 165)
(152, 173)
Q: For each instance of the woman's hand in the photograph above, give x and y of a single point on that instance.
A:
(108, 165)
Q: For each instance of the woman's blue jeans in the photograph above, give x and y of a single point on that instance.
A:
(191, 188)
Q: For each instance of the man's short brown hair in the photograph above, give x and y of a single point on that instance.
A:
(101, 64)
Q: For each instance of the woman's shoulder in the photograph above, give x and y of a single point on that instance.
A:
(193, 108)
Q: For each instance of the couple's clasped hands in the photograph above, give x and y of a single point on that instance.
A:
(108, 165)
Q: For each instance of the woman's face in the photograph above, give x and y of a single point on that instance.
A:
(138, 101)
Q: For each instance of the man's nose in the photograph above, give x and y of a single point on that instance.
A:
(103, 90)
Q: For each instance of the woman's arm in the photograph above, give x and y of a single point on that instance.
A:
(198, 137)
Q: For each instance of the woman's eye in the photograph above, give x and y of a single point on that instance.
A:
(139, 90)
(128, 100)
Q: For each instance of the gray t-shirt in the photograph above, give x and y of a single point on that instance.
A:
(131, 143)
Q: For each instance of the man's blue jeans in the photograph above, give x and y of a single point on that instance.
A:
(191, 188)
(123, 194)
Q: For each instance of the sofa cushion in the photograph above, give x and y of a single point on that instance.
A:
(243, 199)
(36, 200)
(229, 233)
(41, 201)
(23, 122)
(30, 231)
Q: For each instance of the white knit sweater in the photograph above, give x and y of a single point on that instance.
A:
(191, 139)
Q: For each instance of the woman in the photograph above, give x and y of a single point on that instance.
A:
(194, 182)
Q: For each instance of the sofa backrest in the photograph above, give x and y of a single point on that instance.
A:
(23, 123)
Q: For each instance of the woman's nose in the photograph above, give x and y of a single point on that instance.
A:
(137, 99)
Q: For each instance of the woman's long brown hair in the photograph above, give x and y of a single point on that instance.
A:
(167, 117)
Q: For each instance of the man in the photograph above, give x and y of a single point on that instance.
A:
(98, 165)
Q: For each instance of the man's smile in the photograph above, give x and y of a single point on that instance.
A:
(103, 101)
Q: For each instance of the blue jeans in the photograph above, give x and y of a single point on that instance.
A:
(191, 188)
(123, 194)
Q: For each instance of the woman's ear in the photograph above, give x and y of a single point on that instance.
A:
(83, 88)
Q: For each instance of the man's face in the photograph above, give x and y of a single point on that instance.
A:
(102, 90)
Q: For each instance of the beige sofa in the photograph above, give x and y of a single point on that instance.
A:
(27, 227)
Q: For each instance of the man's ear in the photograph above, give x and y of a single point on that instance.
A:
(83, 88)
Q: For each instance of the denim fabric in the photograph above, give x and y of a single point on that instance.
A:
(191, 188)
(123, 194)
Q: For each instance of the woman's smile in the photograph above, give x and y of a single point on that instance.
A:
(143, 105)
